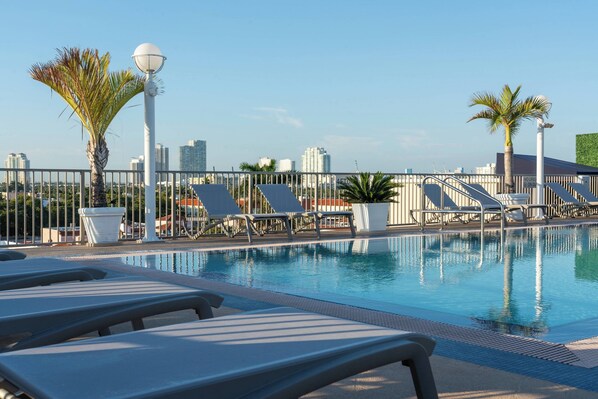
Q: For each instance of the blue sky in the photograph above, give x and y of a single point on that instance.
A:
(385, 83)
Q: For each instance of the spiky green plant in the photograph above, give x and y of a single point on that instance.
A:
(508, 111)
(256, 167)
(367, 188)
(82, 79)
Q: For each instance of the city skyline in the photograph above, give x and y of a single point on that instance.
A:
(386, 87)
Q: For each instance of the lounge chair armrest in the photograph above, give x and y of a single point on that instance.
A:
(103, 321)
(50, 278)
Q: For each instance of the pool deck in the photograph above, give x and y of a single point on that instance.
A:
(468, 363)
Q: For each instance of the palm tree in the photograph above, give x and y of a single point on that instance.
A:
(508, 111)
(82, 79)
(256, 167)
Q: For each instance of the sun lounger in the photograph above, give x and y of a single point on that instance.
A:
(220, 207)
(58, 312)
(274, 353)
(480, 194)
(31, 272)
(589, 197)
(570, 206)
(282, 200)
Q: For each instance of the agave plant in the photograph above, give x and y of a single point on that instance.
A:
(508, 111)
(366, 188)
(82, 79)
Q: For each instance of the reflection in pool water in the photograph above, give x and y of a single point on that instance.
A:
(532, 283)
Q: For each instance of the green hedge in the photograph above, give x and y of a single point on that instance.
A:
(586, 149)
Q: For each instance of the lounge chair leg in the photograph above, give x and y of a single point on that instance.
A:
(248, 228)
(137, 324)
(423, 379)
(287, 224)
(351, 225)
(317, 226)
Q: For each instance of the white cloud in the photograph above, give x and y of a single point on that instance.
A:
(278, 115)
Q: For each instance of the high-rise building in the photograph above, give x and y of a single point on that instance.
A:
(315, 160)
(193, 156)
(161, 162)
(161, 158)
(17, 161)
(286, 165)
(137, 168)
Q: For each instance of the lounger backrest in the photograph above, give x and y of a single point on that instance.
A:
(479, 193)
(584, 191)
(216, 200)
(562, 193)
(281, 198)
(438, 197)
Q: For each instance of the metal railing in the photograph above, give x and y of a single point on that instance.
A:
(40, 206)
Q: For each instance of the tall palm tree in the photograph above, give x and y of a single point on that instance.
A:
(508, 111)
(82, 79)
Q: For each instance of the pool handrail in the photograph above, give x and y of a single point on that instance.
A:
(480, 209)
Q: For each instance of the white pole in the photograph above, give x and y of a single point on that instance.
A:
(540, 166)
(149, 180)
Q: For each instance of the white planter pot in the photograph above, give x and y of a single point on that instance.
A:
(370, 217)
(513, 199)
(101, 224)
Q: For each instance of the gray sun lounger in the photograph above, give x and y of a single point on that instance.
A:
(273, 353)
(480, 194)
(30, 272)
(221, 207)
(282, 200)
(570, 206)
(54, 313)
(589, 197)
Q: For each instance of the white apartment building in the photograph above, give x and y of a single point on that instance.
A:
(315, 160)
(193, 156)
(286, 165)
(488, 169)
(137, 168)
(17, 161)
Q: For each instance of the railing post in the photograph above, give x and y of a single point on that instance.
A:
(81, 205)
(317, 192)
(250, 191)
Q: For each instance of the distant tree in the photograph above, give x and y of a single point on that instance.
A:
(508, 111)
(256, 167)
(82, 79)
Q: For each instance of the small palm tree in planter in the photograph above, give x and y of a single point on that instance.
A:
(370, 196)
(82, 79)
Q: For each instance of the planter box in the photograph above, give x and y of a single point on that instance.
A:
(101, 224)
(513, 199)
(370, 217)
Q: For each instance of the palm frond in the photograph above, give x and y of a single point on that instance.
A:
(368, 188)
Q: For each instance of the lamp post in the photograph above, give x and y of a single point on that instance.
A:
(150, 61)
(540, 161)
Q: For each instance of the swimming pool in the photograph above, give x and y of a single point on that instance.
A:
(539, 282)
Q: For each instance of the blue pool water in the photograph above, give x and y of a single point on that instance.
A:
(540, 282)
